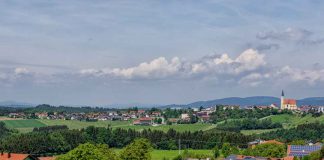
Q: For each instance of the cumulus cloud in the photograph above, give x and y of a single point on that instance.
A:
(294, 74)
(249, 68)
(249, 60)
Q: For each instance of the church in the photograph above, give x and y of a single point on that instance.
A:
(289, 104)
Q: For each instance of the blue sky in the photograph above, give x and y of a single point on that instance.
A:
(159, 52)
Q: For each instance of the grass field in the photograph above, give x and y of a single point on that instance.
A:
(170, 154)
(258, 131)
(28, 125)
(289, 121)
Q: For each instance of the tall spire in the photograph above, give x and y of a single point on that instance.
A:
(282, 93)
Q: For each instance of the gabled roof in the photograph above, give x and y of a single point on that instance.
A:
(290, 101)
(13, 156)
(272, 142)
(146, 119)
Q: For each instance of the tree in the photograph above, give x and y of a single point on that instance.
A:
(138, 150)
(3, 129)
(315, 155)
(269, 150)
(216, 152)
(298, 142)
(227, 150)
(90, 151)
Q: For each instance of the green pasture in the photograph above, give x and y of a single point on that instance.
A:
(28, 125)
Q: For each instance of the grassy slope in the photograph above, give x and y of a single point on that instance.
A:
(288, 121)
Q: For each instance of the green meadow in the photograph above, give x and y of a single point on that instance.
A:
(28, 125)
(24, 125)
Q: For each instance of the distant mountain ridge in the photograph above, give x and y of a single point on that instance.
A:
(249, 101)
(15, 104)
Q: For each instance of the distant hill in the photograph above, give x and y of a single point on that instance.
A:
(15, 104)
(249, 101)
(318, 101)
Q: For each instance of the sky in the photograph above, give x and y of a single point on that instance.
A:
(100, 52)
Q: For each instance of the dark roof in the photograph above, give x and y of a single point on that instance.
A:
(296, 150)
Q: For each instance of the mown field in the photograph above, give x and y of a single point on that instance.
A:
(170, 154)
(28, 125)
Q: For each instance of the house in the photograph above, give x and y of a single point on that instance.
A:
(271, 142)
(242, 157)
(14, 156)
(143, 121)
(185, 116)
(254, 143)
(259, 141)
(156, 114)
(205, 118)
(301, 151)
(173, 120)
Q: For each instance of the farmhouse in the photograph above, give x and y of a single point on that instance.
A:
(143, 121)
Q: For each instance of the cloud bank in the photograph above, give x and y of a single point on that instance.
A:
(249, 68)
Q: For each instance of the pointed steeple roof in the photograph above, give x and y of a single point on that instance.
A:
(282, 93)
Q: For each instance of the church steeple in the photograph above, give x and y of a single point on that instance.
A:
(282, 99)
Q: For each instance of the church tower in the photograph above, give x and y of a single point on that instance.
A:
(282, 100)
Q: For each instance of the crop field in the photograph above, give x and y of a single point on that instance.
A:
(29, 123)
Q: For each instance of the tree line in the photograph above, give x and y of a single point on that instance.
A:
(248, 124)
(58, 141)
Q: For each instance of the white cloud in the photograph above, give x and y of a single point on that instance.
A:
(294, 74)
(159, 68)
(20, 71)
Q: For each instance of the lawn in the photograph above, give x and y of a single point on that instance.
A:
(170, 154)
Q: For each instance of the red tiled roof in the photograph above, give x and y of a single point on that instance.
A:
(290, 101)
(289, 158)
(145, 119)
(13, 156)
(272, 142)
